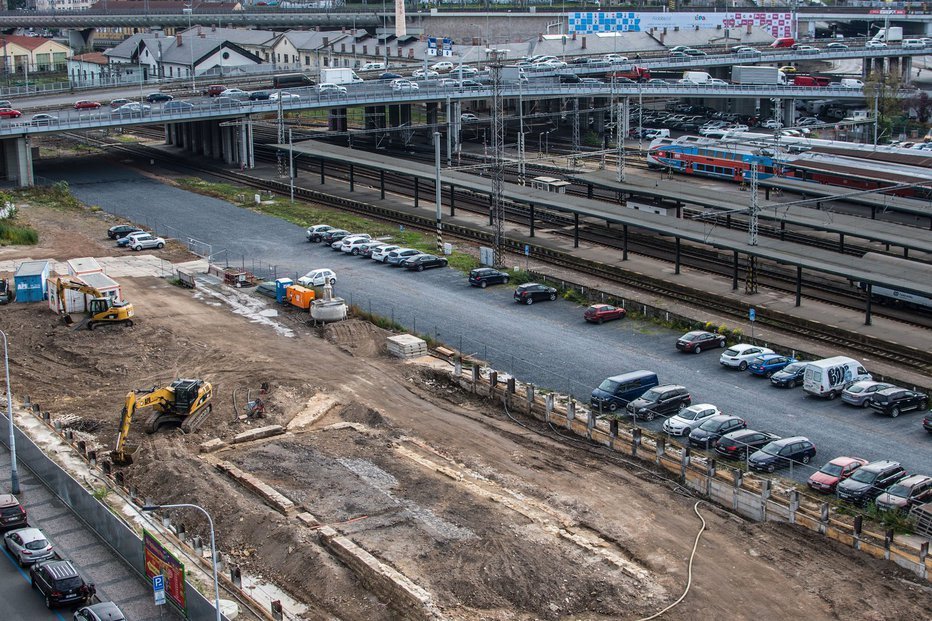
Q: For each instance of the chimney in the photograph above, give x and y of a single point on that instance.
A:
(749, 28)
(475, 40)
(574, 36)
(411, 52)
(316, 28)
(540, 36)
(584, 43)
(663, 35)
(343, 29)
(326, 41)
(178, 40)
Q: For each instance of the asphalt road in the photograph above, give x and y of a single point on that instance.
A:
(548, 343)
(74, 541)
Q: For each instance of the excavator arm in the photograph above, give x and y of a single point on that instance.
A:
(65, 284)
(159, 398)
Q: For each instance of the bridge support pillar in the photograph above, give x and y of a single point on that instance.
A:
(433, 113)
(337, 120)
(190, 136)
(576, 230)
(247, 154)
(799, 284)
(216, 141)
(789, 113)
(907, 68)
(169, 135)
(531, 213)
(866, 68)
(17, 161)
(226, 145)
(677, 266)
(204, 144)
(734, 271)
(867, 313)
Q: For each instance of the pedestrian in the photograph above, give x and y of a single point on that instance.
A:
(918, 71)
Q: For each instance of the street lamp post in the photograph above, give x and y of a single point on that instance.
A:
(14, 473)
(213, 545)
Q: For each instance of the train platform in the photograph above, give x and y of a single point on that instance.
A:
(557, 239)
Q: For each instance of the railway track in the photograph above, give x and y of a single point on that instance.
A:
(913, 358)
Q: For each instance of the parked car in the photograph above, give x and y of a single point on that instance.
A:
(122, 230)
(333, 235)
(10, 113)
(86, 104)
(381, 254)
(617, 391)
(697, 340)
(893, 401)
(782, 453)
(738, 356)
(485, 276)
(316, 232)
(177, 106)
(683, 422)
(906, 494)
(531, 292)
(285, 96)
(663, 400)
(468, 117)
(351, 244)
(318, 278)
(859, 393)
(141, 241)
(395, 257)
(599, 313)
(789, 376)
(103, 611)
(366, 249)
(831, 474)
(740, 444)
(60, 583)
(158, 97)
(711, 429)
(422, 262)
(870, 481)
(926, 423)
(28, 546)
(768, 364)
(43, 119)
(12, 514)
(126, 240)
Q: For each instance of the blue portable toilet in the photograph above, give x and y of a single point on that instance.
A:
(281, 284)
(29, 280)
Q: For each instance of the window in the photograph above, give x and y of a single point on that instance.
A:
(307, 61)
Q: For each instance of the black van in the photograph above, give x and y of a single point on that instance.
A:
(290, 80)
(615, 392)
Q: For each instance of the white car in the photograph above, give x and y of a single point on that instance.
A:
(28, 545)
(424, 74)
(328, 88)
(874, 45)
(467, 70)
(738, 128)
(140, 241)
(380, 254)
(395, 257)
(234, 92)
(468, 117)
(316, 232)
(318, 278)
(738, 356)
(285, 96)
(615, 58)
(716, 82)
(683, 422)
(549, 64)
(443, 66)
(352, 244)
(772, 124)
(807, 49)
(404, 85)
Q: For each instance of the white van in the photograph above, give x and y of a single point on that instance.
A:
(696, 77)
(851, 83)
(830, 376)
(373, 67)
(913, 44)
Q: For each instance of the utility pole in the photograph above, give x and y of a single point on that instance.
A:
(575, 131)
(291, 164)
(521, 157)
(438, 193)
(750, 281)
(498, 154)
(622, 120)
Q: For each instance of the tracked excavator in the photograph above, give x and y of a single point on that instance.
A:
(102, 309)
(184, 403)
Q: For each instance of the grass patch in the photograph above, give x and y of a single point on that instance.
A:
(57, 196)
(899, 522)
(127, 138)
(15, 235)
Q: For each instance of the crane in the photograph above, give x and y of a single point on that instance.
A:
(102, 309)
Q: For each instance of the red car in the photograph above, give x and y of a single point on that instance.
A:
(86, 105)
(10, 113)
(597, 313)
(835, 471)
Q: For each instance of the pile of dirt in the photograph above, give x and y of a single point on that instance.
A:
(357, 337)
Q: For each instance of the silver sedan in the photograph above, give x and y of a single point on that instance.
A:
(859, 393)
(28, 545)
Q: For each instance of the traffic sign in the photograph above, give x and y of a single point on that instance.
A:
(158, 588)
(527, 250)
(752, 314)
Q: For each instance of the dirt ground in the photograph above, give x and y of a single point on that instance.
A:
(494, 520)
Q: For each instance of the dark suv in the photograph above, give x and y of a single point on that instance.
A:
(708, 433)
(665, 400)
(12, 514)
(892, 401)
(741, 443)
(870, 481)
(782, 453)
(484, 276)
(60, 583)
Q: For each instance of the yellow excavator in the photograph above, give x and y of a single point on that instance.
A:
(184, 403)
(102, 309)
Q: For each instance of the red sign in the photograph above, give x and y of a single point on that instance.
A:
(159, 561)
(887, 12)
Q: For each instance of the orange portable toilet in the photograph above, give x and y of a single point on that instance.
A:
(299, 296)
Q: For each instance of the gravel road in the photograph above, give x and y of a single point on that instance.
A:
(547, 343)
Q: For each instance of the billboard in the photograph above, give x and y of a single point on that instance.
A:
(160, 562)
(777, 24)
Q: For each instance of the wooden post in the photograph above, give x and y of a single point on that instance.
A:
(736, 493)
(635, 441)
(661, 447)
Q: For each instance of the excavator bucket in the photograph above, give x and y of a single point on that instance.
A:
(124, 457)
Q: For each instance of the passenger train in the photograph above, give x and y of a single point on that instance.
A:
(827, 162)
(920, 272)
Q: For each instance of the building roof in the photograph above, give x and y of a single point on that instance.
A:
(96, 58)
(313, 39)
(32, 268)
(115, 6)
(191, 47)
(30, 43)
(84, 264)
(240, 36)
(129, 47)
(99, 281)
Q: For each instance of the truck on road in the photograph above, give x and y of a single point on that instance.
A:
(754, 74)
(893, 33)
(696, 77)
(810, 80)
(341, 75)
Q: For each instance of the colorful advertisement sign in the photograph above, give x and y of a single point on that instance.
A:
(777, 24)
(160, 562)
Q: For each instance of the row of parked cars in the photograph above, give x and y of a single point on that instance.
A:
(134, 238)
(56, 579)
(362, 244)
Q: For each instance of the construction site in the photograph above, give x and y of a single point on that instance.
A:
(464, 511)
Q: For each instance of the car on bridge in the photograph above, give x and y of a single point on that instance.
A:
(130, 109)
(442, 66)
(424, 74)
(158, 97)
(292, 97)
(177, 106)
(238, 93)
(260, 95)
(10, 113)
(324, 88)
(468, 117)
(807, 49)
(6, 103)
(388, 75)
(120, 101)
(875, 45)
(404, 85)
(836, 46)
(43, 119)
(86, 104)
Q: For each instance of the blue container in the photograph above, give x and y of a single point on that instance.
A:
(281, 284)
(29, 280)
